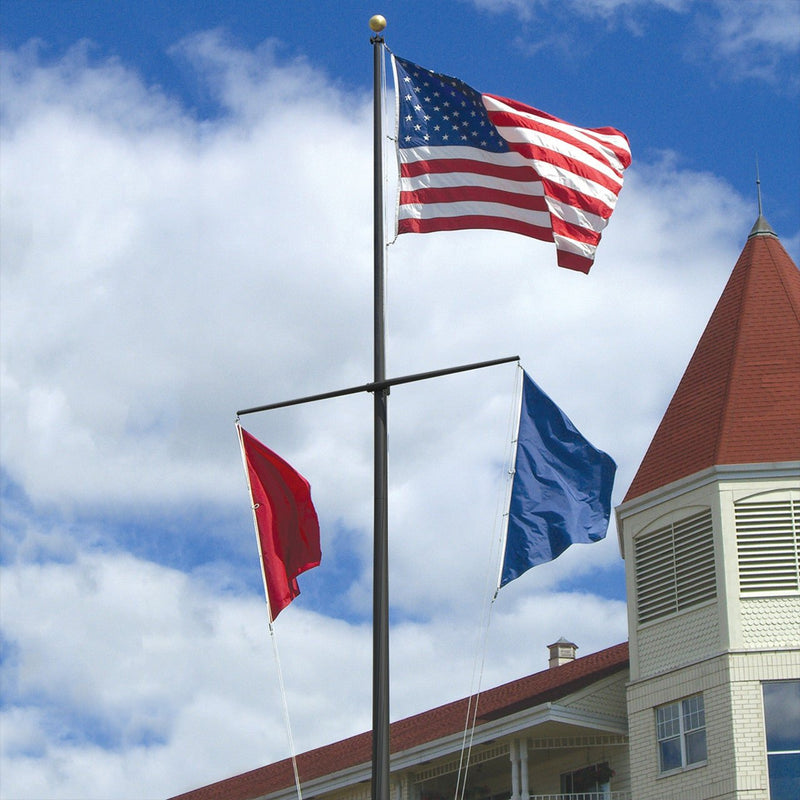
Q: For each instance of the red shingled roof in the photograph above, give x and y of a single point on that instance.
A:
(542, 687)
(739, 399)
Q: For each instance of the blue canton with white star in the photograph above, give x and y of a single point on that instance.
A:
(438, 110)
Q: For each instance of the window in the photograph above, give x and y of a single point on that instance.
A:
(675, 567)
(782, 722)
(681, 730)
(588, 783)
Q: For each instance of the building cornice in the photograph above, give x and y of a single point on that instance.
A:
(731, 653)
(726, 472)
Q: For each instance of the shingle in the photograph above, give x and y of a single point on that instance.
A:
(739, 399)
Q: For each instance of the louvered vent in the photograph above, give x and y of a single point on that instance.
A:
(768, 543)
(675, 567)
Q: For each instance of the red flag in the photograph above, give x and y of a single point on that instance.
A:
(287, 524)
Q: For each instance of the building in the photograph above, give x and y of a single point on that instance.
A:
(710, 533)
(704, 700)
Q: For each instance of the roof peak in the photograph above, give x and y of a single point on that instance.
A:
(738, 401)
(761, 228)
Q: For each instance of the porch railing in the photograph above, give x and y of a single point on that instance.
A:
(584, 796)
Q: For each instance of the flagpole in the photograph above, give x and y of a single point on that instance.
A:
(380, 588)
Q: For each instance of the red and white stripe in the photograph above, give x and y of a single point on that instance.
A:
(558, 184)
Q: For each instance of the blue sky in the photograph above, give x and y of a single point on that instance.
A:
(186, 218)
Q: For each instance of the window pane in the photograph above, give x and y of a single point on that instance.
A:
(670, 751)
(695, 747)
(693, 713)
(668, 719)
(784, 776)
(782, 715)
(584, 780)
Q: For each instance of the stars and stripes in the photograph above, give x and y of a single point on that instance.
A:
(472, 160)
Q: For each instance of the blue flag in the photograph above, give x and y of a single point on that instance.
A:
(561, 492)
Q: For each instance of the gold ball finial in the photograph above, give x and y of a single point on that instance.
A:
(377, 23)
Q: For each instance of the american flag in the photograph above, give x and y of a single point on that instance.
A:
(472, 160)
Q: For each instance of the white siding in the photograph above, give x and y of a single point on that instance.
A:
(783, 629)
(678, 640)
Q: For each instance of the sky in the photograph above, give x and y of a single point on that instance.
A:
(186, 218)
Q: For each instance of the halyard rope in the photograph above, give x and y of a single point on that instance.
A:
(490, 594)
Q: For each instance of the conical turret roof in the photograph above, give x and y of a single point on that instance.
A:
(739, 399)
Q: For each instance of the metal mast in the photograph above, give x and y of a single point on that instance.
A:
(380, 588)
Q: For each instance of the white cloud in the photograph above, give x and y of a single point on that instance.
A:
(155, 281)
(121, 667)
(527, 9)
(752, 39)
(771, 23)
(123, 673)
